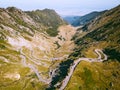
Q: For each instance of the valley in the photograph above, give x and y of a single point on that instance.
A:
(41, 51)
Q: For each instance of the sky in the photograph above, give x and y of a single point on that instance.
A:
(62, 7)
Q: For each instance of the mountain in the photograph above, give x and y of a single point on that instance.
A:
(103, 29)
(39, 51)
(29, 55)
(86, 18)
(71, 19)
(48, 18)
(102, 33)
(94, 63)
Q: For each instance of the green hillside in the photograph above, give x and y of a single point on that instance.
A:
(39, 51)
(48, 18)
(102, 33)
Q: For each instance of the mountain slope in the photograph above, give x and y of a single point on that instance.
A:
(48, 18)
(87, 18)
(103, 33)
(91, 72)
(30, 59)
(24, 51)
(28, 55)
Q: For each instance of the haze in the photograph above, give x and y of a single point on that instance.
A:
(63, 7)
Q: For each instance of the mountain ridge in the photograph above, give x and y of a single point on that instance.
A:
(28, 54)
(82, 20)
(48, 18)
(103, 33)
(38, 51)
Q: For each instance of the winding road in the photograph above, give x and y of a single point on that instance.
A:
(23, 56)
(99, 55)
(76, 62)
(72, 68)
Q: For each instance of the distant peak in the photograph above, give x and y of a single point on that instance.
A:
(13, 9)
(46, 9)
